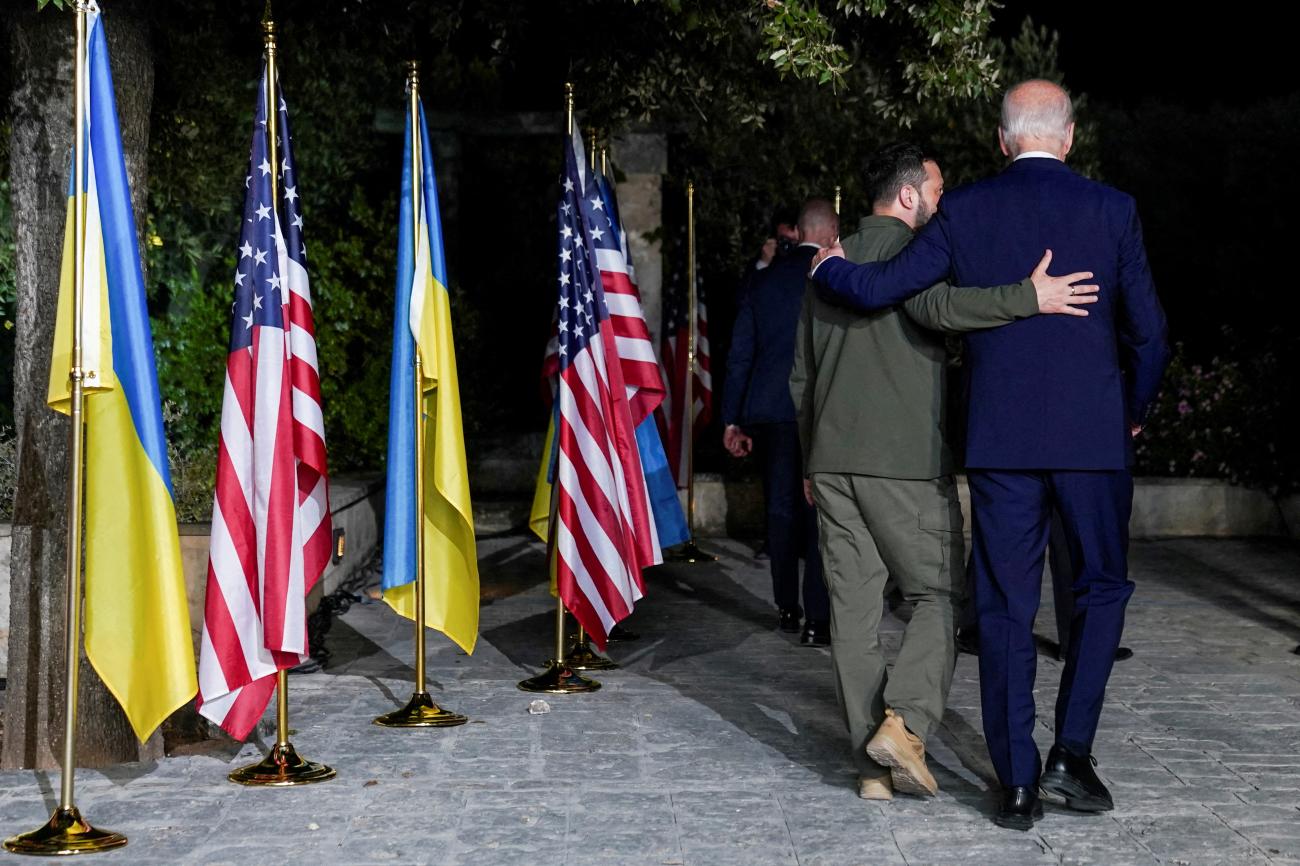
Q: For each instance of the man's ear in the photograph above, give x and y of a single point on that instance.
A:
(907, 197)
(1069, 140)
(1002, 142)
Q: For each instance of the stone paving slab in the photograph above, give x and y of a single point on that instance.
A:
(719, 742)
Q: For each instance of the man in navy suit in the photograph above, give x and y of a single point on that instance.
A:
(759, 414)
(1054, 404)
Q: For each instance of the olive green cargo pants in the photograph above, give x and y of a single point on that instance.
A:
(871, 529)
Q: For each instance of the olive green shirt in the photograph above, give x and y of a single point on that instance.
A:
(870, 390)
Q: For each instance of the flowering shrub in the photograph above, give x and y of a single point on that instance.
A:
(1219, 419)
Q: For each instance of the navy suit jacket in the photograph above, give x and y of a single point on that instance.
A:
(757, 389)
(1051, 391)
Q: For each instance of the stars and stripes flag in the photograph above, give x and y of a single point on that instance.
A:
(673, 415)
(271, 527)
(603, 532)
(641, 374)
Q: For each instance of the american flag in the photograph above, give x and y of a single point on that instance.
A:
(645, 384)
(271, 523)
(671, 414)
(641, 373)
(603, 533)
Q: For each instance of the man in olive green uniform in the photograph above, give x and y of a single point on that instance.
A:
(870, 395)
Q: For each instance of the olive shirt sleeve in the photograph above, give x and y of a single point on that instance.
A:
(804, 375)
(957, 309)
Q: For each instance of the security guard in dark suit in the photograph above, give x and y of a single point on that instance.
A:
(759, 415)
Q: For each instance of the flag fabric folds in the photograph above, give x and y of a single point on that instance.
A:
(137, 631)
(422, 324)
(642, 376)
(673, 416)
(271, 525)
(639, 360)
(603, 533)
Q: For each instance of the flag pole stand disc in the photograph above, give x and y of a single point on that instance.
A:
(690, 552)
(65, 833)
(582, 657)
(618, 634)
(559, 679)
(282, 767)
(420, 712)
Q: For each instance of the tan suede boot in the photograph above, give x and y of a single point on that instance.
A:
(897, 748)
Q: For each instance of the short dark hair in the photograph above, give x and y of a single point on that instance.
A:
(893, 167)
(784, 214)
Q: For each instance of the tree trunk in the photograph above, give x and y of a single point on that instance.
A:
(41, 50)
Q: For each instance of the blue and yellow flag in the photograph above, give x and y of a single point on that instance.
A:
(137, 622)
(423, 324)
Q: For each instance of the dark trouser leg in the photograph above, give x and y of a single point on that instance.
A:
(781, 479)
(1010, 513)
(816, 599)
(1058, 558)
(969, 616)
(1095, 509)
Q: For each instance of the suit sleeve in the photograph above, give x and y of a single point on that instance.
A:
(958, 309)
(878, 285)
(803, 376)
(1143, 333)
(740, 361)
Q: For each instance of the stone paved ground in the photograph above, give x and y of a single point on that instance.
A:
(719, 742)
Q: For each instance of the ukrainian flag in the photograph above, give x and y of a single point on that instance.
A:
(423, 324)
(137, 622)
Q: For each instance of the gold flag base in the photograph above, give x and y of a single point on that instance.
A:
(559, 679)
(582, 657)
(618, 634)
(420, 712)
(65, 833)
(282, 767)
(689, 552)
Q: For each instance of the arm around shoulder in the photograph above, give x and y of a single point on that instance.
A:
(958, 309)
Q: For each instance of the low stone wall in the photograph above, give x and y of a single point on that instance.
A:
(1162, 508)
(358, 508)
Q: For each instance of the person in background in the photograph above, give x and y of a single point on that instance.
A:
(759, 416)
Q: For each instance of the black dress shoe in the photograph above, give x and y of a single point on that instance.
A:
(1122, 654)
(968, 641)
(1072, 777)
(790, 621)
(1019, 809)
(816, 633)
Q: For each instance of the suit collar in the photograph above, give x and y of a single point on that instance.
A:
(1038, 163)
(804, 252)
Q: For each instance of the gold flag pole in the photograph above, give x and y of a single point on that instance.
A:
(282, 766)
(690, 551)
(559, 678)
(67, 832)
(581, 657)
(420, 711)
(837, 199)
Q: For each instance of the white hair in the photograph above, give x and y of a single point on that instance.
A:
(1045, 118)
